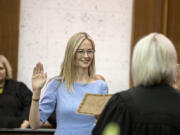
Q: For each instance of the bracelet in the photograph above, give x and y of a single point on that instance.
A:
(36, 100)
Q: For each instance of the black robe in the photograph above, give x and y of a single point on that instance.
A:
(153, 110)
(15, 104)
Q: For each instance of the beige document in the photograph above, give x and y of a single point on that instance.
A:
(93, 104)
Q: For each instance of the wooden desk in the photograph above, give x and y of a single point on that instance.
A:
(17, 131)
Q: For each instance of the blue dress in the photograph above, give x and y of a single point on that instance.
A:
(65, 105)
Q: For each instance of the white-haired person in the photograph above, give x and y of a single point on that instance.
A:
(65, 92)
(151, 107)
(15, 99)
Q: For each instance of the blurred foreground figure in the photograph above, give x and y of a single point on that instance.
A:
(152, 106)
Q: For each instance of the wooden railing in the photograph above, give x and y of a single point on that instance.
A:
(17, 131)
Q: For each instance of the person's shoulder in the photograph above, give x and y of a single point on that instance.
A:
(14, 82)
(54, 82)
(121, 96)
(101, 83)
(18, 86)
(99, 77)
(176, 91)
(100, 80)
(116, 96)
(11, 81)
(54, 79)
(117, 102)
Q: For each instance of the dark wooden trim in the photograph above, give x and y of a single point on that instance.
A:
(27, 131)
(9, 31)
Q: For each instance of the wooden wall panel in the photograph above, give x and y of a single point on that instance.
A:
(156, 15)
(173, 24)
(9, 31)
(147, 18)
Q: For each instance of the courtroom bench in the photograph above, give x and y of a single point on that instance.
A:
(18, 131)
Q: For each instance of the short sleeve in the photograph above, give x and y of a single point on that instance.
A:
(115, 112)
(48, 102)
(104, 88)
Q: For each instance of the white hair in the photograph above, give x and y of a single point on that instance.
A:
(154, 60)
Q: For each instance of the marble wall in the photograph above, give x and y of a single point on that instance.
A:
(46, 25)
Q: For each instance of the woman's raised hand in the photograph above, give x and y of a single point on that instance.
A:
(39, 77)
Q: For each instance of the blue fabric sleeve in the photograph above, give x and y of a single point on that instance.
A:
(104, 89)
(48, 102)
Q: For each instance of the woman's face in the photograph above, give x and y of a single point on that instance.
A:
(2, 72)
(84, 54)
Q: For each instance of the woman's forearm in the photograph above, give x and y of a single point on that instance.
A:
(34, 116)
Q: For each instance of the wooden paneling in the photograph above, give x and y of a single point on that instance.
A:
(173, 24)
(147, 18)
(161, 16)
(9, 31)
(27, 131)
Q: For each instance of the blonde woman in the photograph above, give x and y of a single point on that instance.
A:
(152, 106)
(65, 92)
(15, 99)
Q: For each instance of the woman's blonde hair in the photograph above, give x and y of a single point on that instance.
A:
(154, 60)
(7, 66)
(68, 68)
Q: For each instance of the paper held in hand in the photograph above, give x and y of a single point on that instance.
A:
(93, 104)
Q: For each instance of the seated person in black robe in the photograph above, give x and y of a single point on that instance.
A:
(15, 99)
(152, 106)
